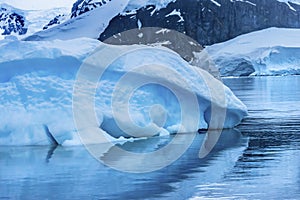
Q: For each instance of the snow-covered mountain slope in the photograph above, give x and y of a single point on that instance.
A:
(83, 6)
(273, 51)
(36, 85)
(22, 23)
(56, 20)
(12, 21)
(39, 5)
(89, 24)
(38, 19)
(89, 18)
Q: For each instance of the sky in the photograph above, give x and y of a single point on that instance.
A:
(38, 4)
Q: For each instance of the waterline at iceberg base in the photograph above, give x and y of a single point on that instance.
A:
(72, 173)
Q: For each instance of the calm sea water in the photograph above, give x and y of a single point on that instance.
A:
(260, 159)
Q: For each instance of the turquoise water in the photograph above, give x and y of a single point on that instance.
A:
(257, 160)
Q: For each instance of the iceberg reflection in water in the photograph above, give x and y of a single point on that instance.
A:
(261, 163)
(71, 172)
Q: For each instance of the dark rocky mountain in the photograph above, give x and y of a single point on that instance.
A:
(56, 20)
(207, 22)
(83, 6)
(11, 22)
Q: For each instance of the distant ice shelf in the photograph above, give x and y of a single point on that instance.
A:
(273, 51)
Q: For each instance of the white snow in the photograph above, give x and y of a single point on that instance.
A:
(36, 85)
(284, 1)
(131, 12)
(39, 5)
(89, 24)
(291, 1)
(290, 6)
(162, 31)
(82, 26)
(216, 3)
(136, 4)
(49, 4)
(249, 2)
(176, 13)
(273, 51)
(139, 24)
(35, 19)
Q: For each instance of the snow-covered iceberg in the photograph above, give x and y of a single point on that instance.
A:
(36, 81)
(273, 51)
(36, 91)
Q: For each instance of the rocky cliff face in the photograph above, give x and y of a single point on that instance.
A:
(210, 22)
(56, 20)
(83, 6)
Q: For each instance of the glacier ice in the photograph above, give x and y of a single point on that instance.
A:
(273, 51)
(36, 87)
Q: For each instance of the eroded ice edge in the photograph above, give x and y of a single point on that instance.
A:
(36, 85)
